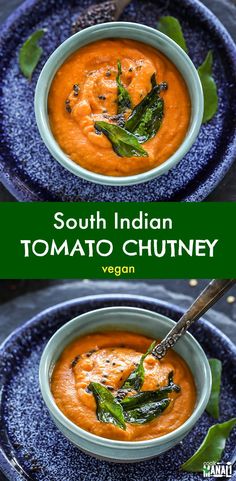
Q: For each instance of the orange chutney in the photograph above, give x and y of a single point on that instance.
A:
(109, 358)
(94, 69)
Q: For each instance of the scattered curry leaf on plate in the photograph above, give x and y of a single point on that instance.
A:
(213, 403)
(211, 448)
(145, 119)
(171, 27)
(209, 88)
(109, 409)
(136, 378)
(30, 54)
(124, 99)
(124, 143)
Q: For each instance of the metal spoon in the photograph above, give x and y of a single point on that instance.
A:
(108, 11)
(209, 296)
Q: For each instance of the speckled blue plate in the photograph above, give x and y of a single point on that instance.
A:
(27, 168)
(32, 448)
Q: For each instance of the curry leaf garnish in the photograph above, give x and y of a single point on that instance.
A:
(147, 405)
(153, 80)
(109, 409)
(147, 412)
(143, 397)
(146, 117)
(213, 403)
(138, 409)
(171, 384)
(211, 448)
(209, 88)
(124, 143)
(30, 54)
(172, 28)
(136, 378)
(124, 99)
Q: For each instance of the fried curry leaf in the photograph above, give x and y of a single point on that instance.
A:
(171, 27)
(146, 117)
(171, 384)
(138, 409)
(30, 54)
(136, 378)
(209, 88)
(150, 121)
(124, 99)
(124, 143)
(109, 409)
(145, 397)
(211, 448)
(146, 412)
(147, 405)
(213, 403)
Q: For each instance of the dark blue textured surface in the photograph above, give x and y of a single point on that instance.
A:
(31, 439)
(27, 168)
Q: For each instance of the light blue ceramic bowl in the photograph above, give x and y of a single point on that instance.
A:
(134, 320)
(127, 30)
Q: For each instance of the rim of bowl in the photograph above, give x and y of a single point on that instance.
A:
(43, 86)
(44, 381)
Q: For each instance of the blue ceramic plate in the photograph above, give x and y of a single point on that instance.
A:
(27, 168)
(31, 446)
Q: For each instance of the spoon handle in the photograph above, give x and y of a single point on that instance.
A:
(213, 291)
(120, 6)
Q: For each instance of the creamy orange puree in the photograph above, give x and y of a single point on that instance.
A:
(122, 350)
(94, 69)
